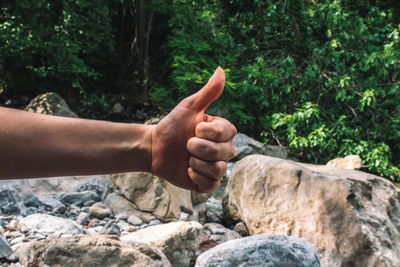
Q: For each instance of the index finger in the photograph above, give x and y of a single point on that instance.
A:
(216, 129)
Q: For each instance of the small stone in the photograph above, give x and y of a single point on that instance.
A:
(99, 210)
(130, 229)
(117, 108)
(82, 219)
(134, 220)
(241, 228)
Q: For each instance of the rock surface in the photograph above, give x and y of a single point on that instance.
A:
(119, 204)
(351, 217)
(245, 145)
(89, 251)
(261, 250)
(44, 188)
(78, 198)
(177, 240)
(47, 224)
(218, 233)
(352, 162)
(6, 251)
(152, 194)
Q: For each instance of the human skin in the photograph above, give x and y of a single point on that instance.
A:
(187, 148)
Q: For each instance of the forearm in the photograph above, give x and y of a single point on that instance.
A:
(36, 145)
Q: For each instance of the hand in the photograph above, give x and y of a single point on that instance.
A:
(190, 149)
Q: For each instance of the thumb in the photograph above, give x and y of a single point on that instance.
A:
(210, 92)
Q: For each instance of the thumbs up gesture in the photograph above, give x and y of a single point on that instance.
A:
(190, 149)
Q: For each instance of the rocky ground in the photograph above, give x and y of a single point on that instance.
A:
(269, 211)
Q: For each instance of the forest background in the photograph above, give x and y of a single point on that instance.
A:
(320, 77)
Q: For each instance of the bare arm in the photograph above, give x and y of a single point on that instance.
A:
(37, 145)
(188, 148)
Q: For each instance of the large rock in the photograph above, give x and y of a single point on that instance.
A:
(89, 251)
(245, 145)
(152, 194)
(177, 240)
(48, 224)
(351, 217)
(51, 104)
(261, 250)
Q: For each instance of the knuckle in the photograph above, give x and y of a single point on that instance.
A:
(218, 132)
(212, 149)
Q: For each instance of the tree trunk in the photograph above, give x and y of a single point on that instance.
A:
(141, 43)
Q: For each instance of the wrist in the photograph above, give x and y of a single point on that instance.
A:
(141, 147)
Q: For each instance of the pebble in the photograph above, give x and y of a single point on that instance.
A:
(134, 220)
(82, 219)
(99, 210)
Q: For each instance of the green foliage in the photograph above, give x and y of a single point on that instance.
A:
(323, 75)
(53, 44)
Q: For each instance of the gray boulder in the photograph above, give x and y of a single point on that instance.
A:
(261, 250)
